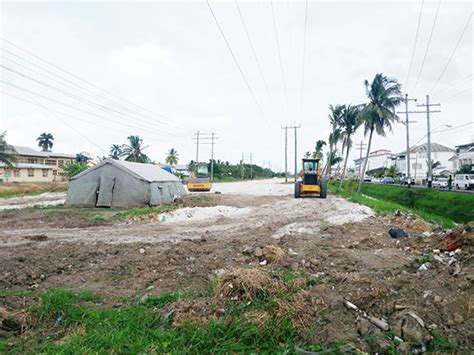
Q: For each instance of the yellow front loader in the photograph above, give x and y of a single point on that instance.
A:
(310, 183)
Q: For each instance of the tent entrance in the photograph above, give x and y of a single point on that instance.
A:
(105, 193)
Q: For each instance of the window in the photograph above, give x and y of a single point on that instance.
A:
(60, 163)
(31, 172)
(16, 173)
(310, 167)
(55, 172)
(50, 162)
(45, 172)
(32, 161)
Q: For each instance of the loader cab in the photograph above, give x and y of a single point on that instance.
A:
(310, 171)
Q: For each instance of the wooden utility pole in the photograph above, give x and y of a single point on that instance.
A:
(286, 152)
(360, 147)
(204, 138)
(407, 125)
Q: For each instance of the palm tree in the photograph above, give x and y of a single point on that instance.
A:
(384, 96)
(45, 141)
(350, 121)
(133, 151)
(335, 135)
(82, 158)
(318, 149)
(7, 153)
(116, 151)
(192, 166)
(173, 157)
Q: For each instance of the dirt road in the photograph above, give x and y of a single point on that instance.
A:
(343, 245)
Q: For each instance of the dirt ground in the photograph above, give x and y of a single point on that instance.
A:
(344, 246)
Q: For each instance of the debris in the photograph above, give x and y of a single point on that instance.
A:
(219, 272)
(142, 250)
(410, 327)
(350, 305)
(364, 327)
(247, 250)
(273, 254)
(263, 262)
(397, 233)
(457, 269)
(417, 318)
(424, 267)
(292, 252)
(382, 324)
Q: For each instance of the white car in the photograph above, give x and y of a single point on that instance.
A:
(464, 181)
(440, 183)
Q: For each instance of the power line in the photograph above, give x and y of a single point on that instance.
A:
(234, 57)
(428, 45)
(253, 49)
(454, 51)
(456, 95)
(80, 79)
(414, 45)
(455, 85)
(279, 53)
(304, 52)
(74, 86)
(33, 93)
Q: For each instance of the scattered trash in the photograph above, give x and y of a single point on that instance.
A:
(350, 305)
(263, 262)
(397, 233)
(424, 267)
(142, 250)
(292, 252)
(382, 324)
(219, 272)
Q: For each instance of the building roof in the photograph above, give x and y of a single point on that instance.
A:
(21, 150)
(146, 172)
(435, 148)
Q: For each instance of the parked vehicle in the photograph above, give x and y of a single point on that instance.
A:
(464, 181)
(367, 178)
(388, 180)
(404, 181)
(440, 183)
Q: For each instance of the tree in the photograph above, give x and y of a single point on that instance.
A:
(434, 164)
(115, 151)
(335, 135)
(384, 96)
(192, 166)
(82, 158)
(7, 153)
(307, 155)
(350, 121)
(318, 149)
(72, 169)
(172, 157)
(465, 169)
(133, 151)
(45, 141)
(392, 171)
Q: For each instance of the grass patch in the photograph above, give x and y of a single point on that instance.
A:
(141, 211)
(69, 322)
(166, 298)
(441, 343)
(384, 205)
(30, 189)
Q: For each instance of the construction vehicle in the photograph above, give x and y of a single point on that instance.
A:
(199, 179)
(311, 182)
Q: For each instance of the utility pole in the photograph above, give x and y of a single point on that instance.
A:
(296, 151)
(360, 147)
(286, 152)
(407, 124)
(203, 138)
(244, 157)
(428, 110)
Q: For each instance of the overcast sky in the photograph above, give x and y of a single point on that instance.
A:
(169, 58)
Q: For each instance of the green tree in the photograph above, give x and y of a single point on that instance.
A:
(379, 113)
(335, 135)
(318, 149)
(45, 141)
(172, 157)
(192, 166)
(392, 171)
(133, 151)
(115, 151)
(465, 169)
(82, 158)
(307, 155)
(7, 153)
(72, 169)
(350, 121)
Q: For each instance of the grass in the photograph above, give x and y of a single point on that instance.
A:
(384, 203)
(30, 189)
(140, 212)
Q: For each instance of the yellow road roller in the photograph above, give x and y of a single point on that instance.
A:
(199, 180)
(311, 182)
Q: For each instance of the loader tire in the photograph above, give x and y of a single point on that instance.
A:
(298, 189)
(324, 190)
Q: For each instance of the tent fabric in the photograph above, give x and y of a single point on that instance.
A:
(114, 184)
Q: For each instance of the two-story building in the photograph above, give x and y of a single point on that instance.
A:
(381, 158)
(464, 155)
(35, 166)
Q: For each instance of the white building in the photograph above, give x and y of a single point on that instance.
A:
(381, 158)
(419, 161)
(464, 156)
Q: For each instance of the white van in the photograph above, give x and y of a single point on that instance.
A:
(464, 181)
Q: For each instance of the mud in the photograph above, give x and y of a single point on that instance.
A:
(343, 246)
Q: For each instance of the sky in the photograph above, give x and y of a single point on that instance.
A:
(94, 72)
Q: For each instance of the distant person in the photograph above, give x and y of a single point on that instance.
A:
(450, 182)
